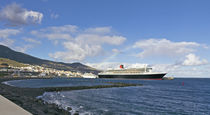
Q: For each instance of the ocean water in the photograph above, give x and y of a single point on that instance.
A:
(178, 96)
(55, 82)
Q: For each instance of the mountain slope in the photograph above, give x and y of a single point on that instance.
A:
(8, 53)
(9, 62)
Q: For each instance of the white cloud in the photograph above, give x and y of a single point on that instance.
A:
(76, 52)
(104, 65)
(57, 36)
(192, 60)
(56, 32)
(23, 48)
(6, 42)
(52, 35)
(115, 65)
(13, 14)
(84, 46)
(32, 40)
(61, 29)
(79, 44)
(100, 39)
(175, 70)
(31, 43)
(5, 35)
(99, 30)
(164, 47)
(115, 51)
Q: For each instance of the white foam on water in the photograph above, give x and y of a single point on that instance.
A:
(59, 99)
(10, 83)
(7, 83)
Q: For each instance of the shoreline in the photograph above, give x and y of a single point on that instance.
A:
(27, 97)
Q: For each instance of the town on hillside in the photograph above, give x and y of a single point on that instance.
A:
(12, 68)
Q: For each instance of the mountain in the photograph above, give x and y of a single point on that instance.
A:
(7, 62)
(8, 53)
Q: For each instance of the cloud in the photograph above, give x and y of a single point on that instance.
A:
(175, 70)
(99, 30)
(79, 43)
(54, 16)
(31, 43)
(76, 52)
(61, 29)
(5, 35)
(83, 46)
(56, 32)
(115, 50)
(23, 48)
(115, 65)
(30, 40)
(14, 15)
(53, 36)
(100, 39)
(192, 60)
(164, 47)
(6, 42)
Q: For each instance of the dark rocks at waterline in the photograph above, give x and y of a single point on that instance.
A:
(69, 109)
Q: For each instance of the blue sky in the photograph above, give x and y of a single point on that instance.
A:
(169, 35)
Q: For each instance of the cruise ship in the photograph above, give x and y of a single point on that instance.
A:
(132, 73)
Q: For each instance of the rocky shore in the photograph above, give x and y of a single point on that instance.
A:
(27, 97)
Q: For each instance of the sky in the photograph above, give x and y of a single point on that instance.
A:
(168, 35)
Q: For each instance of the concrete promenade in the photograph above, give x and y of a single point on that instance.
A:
(9, 108)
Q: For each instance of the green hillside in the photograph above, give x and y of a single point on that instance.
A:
(4, 61)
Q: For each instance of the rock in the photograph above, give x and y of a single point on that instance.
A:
(69, 108)
(46, 110)
(76, 113)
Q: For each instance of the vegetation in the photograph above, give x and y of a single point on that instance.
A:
(7, 62)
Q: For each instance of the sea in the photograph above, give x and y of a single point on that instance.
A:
(181, 96)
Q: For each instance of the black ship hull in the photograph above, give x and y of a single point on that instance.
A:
(138, 76)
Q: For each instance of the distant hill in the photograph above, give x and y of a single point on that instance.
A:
(8, 53)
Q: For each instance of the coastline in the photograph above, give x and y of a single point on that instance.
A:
(27, 97)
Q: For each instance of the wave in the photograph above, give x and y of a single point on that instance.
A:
(7, 83)
(54, 98)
